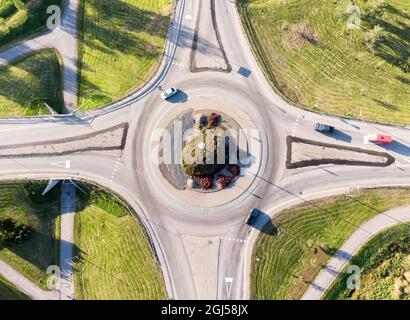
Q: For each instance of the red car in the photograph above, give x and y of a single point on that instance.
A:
(380, 138)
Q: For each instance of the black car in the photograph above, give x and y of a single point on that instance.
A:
(253, 215)
(324, 128)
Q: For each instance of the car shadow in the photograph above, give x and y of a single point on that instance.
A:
(397, 147)
(339, 135)
(264, 224)
(179, 97)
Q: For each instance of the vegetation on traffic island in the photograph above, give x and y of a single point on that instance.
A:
(203, 164)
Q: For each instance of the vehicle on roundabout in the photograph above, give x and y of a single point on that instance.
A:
(253, 215)
(324, 128)
(379, 138)
(168, 93)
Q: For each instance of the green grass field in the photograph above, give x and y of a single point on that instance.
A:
(22, 201)
(23, 18)
(121, 43)
(115, 260)
(308, 53)
(384, 262)
(285, 263)
(9, 292)
(26, 84)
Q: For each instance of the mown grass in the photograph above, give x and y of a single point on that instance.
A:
(334, 71)
(22, 201)
(9, 292)
(121, 43)
(381, 260)
(285, 263)
(26, 84)
(114, 259)
(23, 18)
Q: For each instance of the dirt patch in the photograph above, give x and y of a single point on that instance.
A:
(304, 153)
(295, 36)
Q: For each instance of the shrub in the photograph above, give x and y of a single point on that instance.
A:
(205, 183)
(214, 119)
(13, 231)
(222, 182)
(234, 169)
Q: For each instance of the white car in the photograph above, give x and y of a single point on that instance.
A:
(169, 93)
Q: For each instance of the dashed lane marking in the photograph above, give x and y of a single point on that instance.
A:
(233, 239)
(295, 126)
(178, 64)
(114, 170)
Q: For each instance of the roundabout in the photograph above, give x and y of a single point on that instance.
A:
(174, 123)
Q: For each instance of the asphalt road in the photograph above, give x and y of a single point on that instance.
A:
(205, 252)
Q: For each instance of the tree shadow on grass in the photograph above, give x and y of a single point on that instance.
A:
(394, 47)
(36, 80)
(264, 224)
(388, 106)
(122, 19)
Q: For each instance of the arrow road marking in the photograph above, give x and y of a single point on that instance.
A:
(62, 164)
(228, 286)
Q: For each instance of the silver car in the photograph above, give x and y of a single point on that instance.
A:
(168, 93)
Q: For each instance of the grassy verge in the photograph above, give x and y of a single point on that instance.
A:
(9, 292)
(23, 18)
(121, 43)
(26, 84)
(285, 262)
(308, 53)
(115, 260)
(22, 201)
(384, 263)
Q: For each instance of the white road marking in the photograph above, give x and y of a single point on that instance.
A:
(62, 164)
(228, 286)
(232, 239)
(295, 126)
(178, 64)
(114, 170)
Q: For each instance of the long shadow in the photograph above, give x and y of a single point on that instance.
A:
(117, 34)
(398, 147)
(388, 106)
(179, 97)
(264, 224)
(39, 67)
(339, 135)
(394, 47)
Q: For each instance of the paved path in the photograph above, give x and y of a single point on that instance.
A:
(25, 285)
(64, 39)
(68, 207)
(336, 264)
